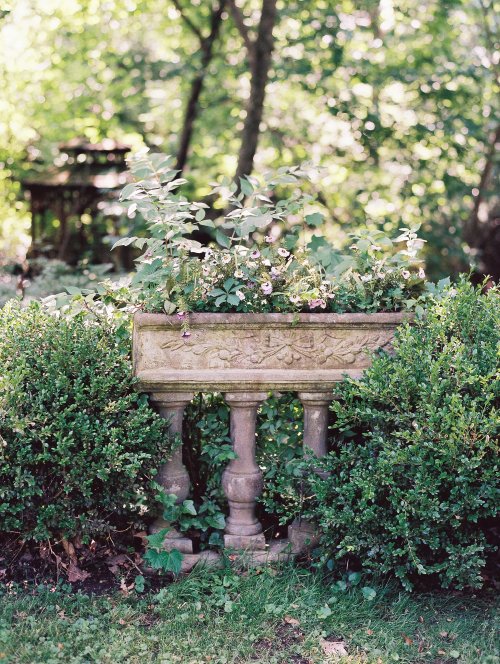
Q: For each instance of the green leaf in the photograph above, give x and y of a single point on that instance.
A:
(369, 593)
(246, 186)
(168, 561)
(128, 190)
(189, 508)
(324, 612)
(354, 578)
(233, 299)
(314, 220)
(124, 242)
(139, 584)
(222, 239)
(156, 539)
(207, 222)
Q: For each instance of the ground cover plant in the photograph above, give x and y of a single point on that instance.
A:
(271, 616)
(78, 446)
(412, 479)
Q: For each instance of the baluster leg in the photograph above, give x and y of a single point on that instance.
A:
(173, 475)
(301, 533)
(242, 479)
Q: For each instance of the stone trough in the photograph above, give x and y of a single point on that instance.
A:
(245, 356)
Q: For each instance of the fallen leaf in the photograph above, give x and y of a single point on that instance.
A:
(334, 648)
(421, 619)
(441, 652)
(369, 632)
(76, 574)
(443, 634)
(291, 621)
(124, 588)
(122, 621)
(70, 551)
(407, 639)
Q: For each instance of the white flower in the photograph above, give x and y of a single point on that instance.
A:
(275, 272)
(375, 247)
(366, 277)
(226, 258)
(255, 254)
(405, 274)
(266, 262)
(380, 275)
(240, 295)
(269, 239)
(283, 252)
(267, 288)
(294, 299)
(239, 274)
(421, 273)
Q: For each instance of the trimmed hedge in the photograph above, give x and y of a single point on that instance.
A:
(78, 446)
(413, 474)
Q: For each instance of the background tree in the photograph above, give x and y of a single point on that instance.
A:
(397, 100)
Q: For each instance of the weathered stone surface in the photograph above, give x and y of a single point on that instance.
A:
(242, 479)
(245, 356)
(242, 352)
(173, 476)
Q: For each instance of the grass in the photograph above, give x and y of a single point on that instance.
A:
(283, 616)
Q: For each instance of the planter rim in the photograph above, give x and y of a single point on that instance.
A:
(199, 319)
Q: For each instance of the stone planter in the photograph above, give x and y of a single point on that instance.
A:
(245, 356)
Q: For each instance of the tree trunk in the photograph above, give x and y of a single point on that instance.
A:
(260, 62)
(192, 106)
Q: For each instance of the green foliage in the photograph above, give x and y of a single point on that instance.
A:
(251, 273)
(51, 276)
(160, 559)
(265, 615)
(395, 101)
(414, 472)
(78, 445)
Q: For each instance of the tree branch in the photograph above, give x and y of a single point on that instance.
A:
(239, 21)
(188, 21)
(192, 106)
(260, 64)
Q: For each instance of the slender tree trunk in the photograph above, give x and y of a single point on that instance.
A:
(260, 57)
(192, 106)
(472, 231)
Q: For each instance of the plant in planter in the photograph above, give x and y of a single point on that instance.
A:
(260, 310)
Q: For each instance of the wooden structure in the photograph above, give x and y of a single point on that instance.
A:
(74, 201)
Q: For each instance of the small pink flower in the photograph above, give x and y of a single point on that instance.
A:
(269, 239)
(294, 299)
(181, 315)
(283, 252)
(313, 304)
(186, 333)
(405, 274)
(255, 254)
(275, 273)
(421, 273)
(240, 295)
(267, 288)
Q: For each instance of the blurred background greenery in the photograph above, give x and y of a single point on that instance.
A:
(396, 99)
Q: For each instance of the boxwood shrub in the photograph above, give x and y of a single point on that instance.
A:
(413, 474)
(78, 446)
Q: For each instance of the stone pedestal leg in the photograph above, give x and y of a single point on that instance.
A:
(301, 533)
(173, 475)
(242, 480)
